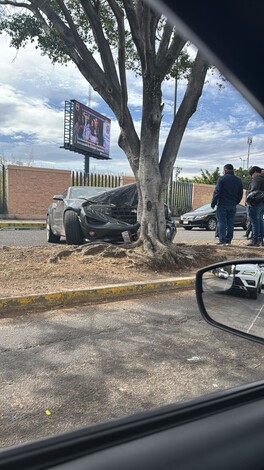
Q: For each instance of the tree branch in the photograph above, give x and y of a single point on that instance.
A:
(103, 46)
(166, 60)
(164, 42)
(134, 17)
(118, 12)
(81, 56)
(186, 110)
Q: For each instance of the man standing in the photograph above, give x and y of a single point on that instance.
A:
(227, 194)
(255, 201)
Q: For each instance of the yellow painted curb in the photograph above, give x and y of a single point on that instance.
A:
(22, 224)
(92, 295)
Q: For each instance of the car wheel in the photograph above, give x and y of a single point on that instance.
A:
(253, 294)
(73, 232)
(51, 237)
(211, 224)
(187, 228)
(170, 233)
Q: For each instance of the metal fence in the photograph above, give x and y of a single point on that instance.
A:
(79, 178)
(179, 197)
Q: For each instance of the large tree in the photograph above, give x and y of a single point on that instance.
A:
(127, 34)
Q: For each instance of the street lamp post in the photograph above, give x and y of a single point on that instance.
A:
(249, 141)
(243, 162)
(174, 113)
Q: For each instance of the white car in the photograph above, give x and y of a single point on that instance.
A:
(249, 278)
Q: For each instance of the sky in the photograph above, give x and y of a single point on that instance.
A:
(32, 97)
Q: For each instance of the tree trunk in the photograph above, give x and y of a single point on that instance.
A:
(151, 206)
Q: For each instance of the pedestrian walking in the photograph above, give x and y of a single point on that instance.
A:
(255, 202)
(227, 194)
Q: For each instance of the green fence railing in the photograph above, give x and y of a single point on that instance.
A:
(80, 178)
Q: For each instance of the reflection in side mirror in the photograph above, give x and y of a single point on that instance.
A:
(231, 296)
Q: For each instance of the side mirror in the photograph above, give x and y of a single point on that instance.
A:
(58, 197)
(230, 296)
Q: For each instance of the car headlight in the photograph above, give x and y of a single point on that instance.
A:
(249, 273)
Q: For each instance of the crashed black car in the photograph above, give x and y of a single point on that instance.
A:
(110, 215)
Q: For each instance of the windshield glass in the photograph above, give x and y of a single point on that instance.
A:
(205, 208)
(85, 191)
(79, 343)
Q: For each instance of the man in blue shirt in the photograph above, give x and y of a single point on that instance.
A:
(227, 194)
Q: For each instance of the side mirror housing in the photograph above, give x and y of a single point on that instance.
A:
(230, 296)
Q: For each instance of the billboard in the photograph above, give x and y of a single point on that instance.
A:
(90, 131)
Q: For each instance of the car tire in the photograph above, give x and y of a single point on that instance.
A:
(211, 224)
(73, 231)
(51, 237)
(253, 294)
(171, 233)
(187, 228)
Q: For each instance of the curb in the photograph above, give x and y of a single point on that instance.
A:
(89, 296)
(15, 224)
(22, 225)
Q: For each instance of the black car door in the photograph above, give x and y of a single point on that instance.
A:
(58, 214)
(241, 216)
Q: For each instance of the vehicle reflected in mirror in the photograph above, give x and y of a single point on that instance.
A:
(231, 296)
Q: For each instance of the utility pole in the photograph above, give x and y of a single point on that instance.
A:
(86, 157)
(174, 113)
(243, 162)
(249, 141)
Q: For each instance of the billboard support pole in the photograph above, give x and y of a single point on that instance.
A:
(86, 164)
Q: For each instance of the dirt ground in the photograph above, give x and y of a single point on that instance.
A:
(45, 269)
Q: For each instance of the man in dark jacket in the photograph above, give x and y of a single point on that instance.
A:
(255, 200)
(227, 194)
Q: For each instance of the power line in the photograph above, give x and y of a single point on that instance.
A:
(251, 153)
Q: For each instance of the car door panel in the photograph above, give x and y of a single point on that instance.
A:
(240, 215)
(224, 430)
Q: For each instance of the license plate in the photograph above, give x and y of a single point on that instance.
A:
(185, 222)
(126, 237)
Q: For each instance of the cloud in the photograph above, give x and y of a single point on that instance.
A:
(33, 92)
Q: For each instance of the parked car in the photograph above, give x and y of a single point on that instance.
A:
(98, 214)
(248, 278)
(205, 217)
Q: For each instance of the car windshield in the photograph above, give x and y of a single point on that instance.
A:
(205, 208)
(98, 314)
(85, 191)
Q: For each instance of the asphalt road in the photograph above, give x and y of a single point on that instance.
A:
(64, 369)
(24, 237)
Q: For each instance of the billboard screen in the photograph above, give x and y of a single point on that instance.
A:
(91, 131)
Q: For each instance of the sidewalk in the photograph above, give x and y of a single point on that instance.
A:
(67, 299)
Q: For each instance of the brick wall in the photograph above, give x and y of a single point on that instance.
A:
(30, 190)
(202, 194)
(127, 180)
